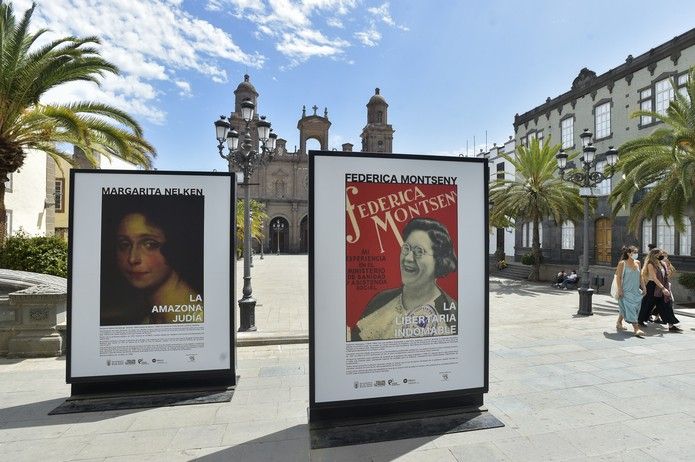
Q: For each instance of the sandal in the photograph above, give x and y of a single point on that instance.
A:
(620, 326)
(639, 334)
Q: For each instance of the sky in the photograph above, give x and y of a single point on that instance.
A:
(451, 71)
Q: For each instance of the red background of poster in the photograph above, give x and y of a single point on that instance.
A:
(360, 292)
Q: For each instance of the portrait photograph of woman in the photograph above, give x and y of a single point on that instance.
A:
(151, 260)
(419, 307)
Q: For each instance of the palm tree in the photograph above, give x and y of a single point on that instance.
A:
(534, 193)
(663, 163)
(27, 72)
(258, 217)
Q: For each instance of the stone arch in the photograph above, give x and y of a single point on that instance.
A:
(313, 127)
(279, 236)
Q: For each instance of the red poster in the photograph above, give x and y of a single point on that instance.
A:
(401, 260)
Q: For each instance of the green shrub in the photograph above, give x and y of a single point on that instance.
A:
(47, 255)
(527, 259)
(687, 280)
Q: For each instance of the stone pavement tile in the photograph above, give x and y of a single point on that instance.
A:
(129, 443)
(293, 450)
(545, 446)
(49, 449)
(199, 436)
(426, 455)
(246, 413)
(620, 374)
(635, 388)
(670, 430)
(582, 395)
(630, 455)
(682, 452)
(650, 406)
(384, 451)
(174, 417)
(554, 382)
(32, 430)
(511, 387)
(265, 430)
(479, 452)
(605, 439)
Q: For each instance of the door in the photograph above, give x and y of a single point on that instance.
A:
(603, 241)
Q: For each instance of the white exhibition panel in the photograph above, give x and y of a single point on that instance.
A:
(215, 353)
(331, 380)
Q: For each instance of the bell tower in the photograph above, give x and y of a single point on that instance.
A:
(377, 135)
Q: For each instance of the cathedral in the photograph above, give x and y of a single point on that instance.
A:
(283, 184)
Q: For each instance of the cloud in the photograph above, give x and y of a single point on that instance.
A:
(369, 37)
(185, 88)
(148, 41)
(335, 22)
(384, 14)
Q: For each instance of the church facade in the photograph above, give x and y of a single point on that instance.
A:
(283, 184)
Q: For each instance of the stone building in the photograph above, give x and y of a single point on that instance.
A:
(283, 184)
(604, 104)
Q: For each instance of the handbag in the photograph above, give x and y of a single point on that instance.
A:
(614, 287)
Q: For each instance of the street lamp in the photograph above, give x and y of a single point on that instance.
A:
(246, 159)
(278, 226)
(586, 177)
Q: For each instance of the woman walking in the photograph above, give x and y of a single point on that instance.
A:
(667, 315)
(654, 277)
(627, 276)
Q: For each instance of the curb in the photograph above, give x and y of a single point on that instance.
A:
(244, 339)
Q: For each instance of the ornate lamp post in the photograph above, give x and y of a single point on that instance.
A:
(278, 226)
(246, 159)
(586, 177)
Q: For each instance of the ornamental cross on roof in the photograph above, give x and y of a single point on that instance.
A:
(315, 108)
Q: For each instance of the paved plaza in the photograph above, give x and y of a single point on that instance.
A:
(566, 387)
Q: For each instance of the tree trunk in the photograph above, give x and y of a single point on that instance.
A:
(536, 252)
(3, 212)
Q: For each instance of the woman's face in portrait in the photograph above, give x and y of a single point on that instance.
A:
(138, 252)
(417, 259)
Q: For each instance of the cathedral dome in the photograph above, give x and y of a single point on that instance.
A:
(377, 99)
(246, 86)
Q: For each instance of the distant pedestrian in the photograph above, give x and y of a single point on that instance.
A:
(654, 278)
(667, 314)
(628, 280)
(570, 279)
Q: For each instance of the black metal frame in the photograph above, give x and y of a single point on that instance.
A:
(163, 381)
(337, 412)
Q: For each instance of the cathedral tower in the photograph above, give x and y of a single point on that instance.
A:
(377, 135)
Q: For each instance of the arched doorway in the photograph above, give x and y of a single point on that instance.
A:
(603, 241)
(279, 235)
(304, 235)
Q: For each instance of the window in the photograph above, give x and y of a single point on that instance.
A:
(681, 82)
(539, 135)
(8, 183)
(524, 141)
(59, 200)
(568, 235)
(500, 171)
(664, 94)
(8, 223)
(602, 119)
(646, 235)
(664, 234)
(280, 188)
(604, 187)
(527, 234)
(531, 137)
(379, 117)
(567, 132)
(685, 245)
(645, 105)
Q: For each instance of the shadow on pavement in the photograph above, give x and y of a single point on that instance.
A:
(292, 444)
(618, 336)
(36, 415)
(512, 286)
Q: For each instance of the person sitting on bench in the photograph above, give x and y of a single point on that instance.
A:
(570, 280)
